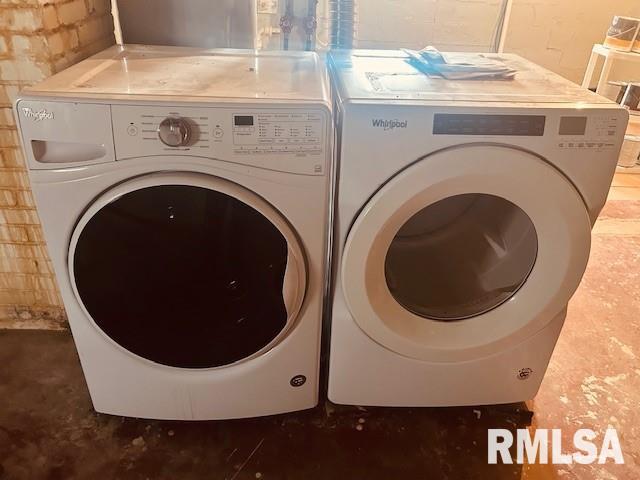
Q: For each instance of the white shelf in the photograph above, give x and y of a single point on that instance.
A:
(616, 54)
(610, 56)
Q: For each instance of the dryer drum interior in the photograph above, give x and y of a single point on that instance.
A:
(183, 276)
(461, 256)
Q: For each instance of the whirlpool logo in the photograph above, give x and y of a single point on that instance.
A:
(37, 115)
(389, 124)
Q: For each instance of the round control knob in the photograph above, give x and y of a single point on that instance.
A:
(174, 132)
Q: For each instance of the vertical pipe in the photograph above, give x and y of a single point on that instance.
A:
(311, 25)
(343, 23)
(286, 24)
(504, 27)
(117, 30)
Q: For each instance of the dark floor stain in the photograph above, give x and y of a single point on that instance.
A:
(48, 430)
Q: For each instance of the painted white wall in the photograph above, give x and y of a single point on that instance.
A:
(446, 24)
(557, 34)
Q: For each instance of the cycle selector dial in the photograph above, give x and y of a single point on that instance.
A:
(175, 132)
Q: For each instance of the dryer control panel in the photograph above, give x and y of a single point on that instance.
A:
(596, 132)
(290, 140)
(573, 131)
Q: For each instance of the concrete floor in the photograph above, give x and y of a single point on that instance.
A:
(48, 429)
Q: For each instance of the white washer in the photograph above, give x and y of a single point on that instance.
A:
(464, 212)
(184, 198)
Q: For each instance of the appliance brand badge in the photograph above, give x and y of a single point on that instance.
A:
(389, 124)
(37, 115)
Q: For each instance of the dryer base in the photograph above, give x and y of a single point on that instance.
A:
(388, 379)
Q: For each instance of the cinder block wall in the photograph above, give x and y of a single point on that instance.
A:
(37, 39)
(450, 25)
(557, 34)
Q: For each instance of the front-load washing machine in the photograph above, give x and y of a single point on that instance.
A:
(463, 221)
(184, 198)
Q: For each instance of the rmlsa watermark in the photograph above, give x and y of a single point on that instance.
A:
(536, 448)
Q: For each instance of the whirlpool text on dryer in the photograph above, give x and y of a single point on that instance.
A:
(389, 124)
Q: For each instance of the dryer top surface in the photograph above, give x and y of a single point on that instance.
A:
(381, 75)
(164, 73)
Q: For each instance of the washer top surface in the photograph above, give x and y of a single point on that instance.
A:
(163, 73)
(386, 75)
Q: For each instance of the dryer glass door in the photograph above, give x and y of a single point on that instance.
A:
(187, 270)
(467, 250)
(461, 256)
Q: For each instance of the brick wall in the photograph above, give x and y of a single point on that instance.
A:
(37, 39)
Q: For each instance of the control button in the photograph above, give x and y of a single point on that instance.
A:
(174, 132)
(132, 130)
(218, 133)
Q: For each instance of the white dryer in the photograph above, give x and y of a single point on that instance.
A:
(463, 221)
(184, 198)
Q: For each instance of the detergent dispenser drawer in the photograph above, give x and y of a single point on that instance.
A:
(64, 134)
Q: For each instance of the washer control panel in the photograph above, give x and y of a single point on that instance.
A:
(277, 132)
(290, 140)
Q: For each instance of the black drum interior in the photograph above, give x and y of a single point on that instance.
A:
(183, 276)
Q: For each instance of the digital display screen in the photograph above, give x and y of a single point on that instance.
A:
(573, 125)
(472, 124)
(243, 120)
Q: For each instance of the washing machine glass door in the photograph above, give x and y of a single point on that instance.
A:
(468, 249)
(187, 270)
